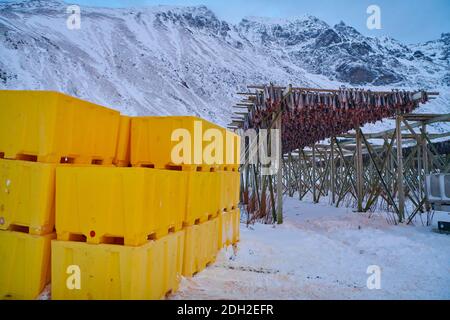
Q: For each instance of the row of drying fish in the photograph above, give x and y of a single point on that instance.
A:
(341, 99)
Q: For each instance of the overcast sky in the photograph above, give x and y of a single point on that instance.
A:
(407, 20)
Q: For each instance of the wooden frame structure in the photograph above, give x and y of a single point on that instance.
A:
(368, 171)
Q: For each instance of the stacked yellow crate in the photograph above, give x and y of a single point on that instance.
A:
(38, 132)
(130, 216)
(122, 230)
(209, 155)
(144, 226)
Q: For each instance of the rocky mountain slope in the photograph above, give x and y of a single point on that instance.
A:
(183, 60)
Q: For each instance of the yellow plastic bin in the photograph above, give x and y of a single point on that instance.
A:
(174, 246)
(203, 196)
(24, 264)
(82, 271)
(122, 158)
(232, 151)
(227, 228)
(27, 198)
(51, 127)
(235, 188)
(152, 145)
(229, 189)
(119, 205)
(200, 246)
(236, 217)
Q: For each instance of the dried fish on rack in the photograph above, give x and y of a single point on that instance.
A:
(311, 115)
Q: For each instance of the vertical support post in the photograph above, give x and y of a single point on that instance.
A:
(359, 170)
(419, 170)
(425, 150)
(391, 172)
(425, 162)
(247, 194)
(279, 173)
(300, 174)
(314, 172)
(289, 175)
(400, 189)
(332, 173)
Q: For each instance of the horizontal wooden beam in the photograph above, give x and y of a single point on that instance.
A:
(261, 87)
(240, 107)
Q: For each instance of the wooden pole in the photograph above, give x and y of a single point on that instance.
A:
(419, 171)
(279, 174)
(425, 149)
(314, 172)
(400, 189)
(425, 161)
(299, 168)
(333, 173)
(289, 176)
(359, 170)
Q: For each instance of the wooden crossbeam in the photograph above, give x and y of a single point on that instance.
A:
(428, 118)
(262, 87)
(240, 107)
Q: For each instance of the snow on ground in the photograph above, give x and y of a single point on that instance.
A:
(323, 252)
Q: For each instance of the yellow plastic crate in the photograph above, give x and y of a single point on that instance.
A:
(50, 126)
(113, 272)
(215, 191)
(236, 223)
(122, 158)
(119, 205)
(229, 228)
(203, 196)
(174, 250)
(24, 264)
(152, 145)
(226, 190)
(236, 188)
(229, 189)
(221, 230)
(226, 234)
(200, 246)
(27, 198)
(232, 151)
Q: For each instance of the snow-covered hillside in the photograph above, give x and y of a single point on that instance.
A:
(183, 60)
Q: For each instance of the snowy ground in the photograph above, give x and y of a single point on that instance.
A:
(322, 252)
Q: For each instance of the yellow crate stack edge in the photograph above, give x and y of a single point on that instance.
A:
(25, 264)
(28, 196)
(50, 126)
(131, 205)
(128, 220)
(114, 272)
(100, 217)
(122, 155)
(39, 130)
(114, 203)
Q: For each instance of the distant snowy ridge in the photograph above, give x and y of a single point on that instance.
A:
(167, 60)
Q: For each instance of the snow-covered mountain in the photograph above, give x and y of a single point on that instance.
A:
(184, 60)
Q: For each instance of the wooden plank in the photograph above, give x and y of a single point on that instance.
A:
(261, 87)
(279, 174)
(359, 170)
(400, 189)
